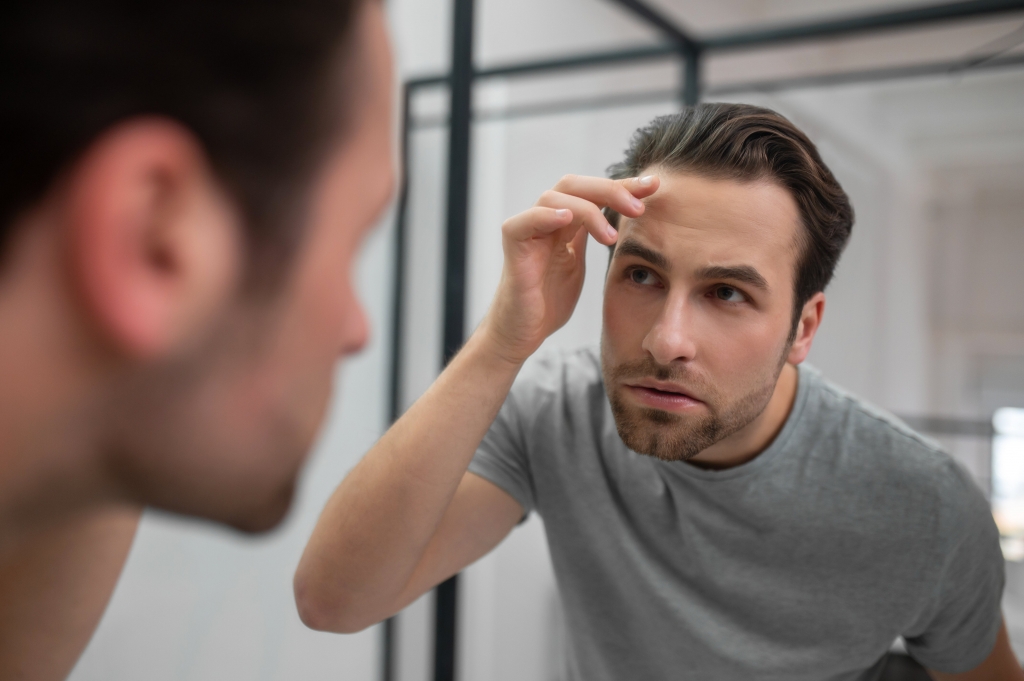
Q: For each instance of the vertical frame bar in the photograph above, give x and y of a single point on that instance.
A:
(458, 179)
(446, 629)
(446, 603)
(389, 629)
(401, 227)
(691, 75)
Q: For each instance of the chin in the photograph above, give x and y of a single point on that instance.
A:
(250, 503)
(661, 434)
(267, 513)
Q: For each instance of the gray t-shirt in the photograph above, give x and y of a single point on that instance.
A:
(803, 564)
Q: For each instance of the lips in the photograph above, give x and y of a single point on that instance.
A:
(662, 395)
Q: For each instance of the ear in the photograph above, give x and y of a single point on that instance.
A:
(810, 321)
(155, 245)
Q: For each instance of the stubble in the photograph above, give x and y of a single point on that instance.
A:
(676, 437)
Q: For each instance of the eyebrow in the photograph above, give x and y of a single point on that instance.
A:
(637, 249)
(742, 273)
(746, 274)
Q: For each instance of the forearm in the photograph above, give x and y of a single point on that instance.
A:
(54, 590)
(378, 523)
(1001, 664)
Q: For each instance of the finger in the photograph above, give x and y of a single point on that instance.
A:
(585, 213)
(601, 191)
(536, 221)
(641, 187)
(578, 245)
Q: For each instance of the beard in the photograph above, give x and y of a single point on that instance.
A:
(678, 437)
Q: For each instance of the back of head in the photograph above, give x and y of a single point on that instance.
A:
(187, 393)
(250, 78)
(749, 143)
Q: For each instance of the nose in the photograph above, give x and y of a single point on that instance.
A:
(355, 327)
(671, 338)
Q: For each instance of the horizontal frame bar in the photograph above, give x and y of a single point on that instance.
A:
(960, 66)
(593, 59)
(896, 19)
(964, 66)
(751, 39)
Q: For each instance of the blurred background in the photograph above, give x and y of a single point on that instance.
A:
(924, 127)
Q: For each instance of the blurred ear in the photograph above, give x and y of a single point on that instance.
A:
(155, 245)
(810, 322)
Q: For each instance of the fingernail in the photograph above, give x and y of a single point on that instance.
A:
(611, 232)
(646, 180)
(638, 204)
(562, 212)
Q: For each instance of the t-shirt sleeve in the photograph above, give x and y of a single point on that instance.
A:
(961, 618)
(502, 456)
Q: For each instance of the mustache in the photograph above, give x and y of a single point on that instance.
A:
(648, 368)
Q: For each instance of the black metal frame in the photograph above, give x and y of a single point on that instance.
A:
(680, 44)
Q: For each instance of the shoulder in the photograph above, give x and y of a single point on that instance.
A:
(556, 381)
(890, 462)
(553, 371)
(837, 413)
(867, 423)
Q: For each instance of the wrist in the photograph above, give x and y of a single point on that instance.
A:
(491, 346)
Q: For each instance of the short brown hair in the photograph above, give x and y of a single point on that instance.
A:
(254, 80)
(749, 143)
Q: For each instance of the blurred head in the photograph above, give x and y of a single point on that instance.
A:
(203, 174)
(720, 283)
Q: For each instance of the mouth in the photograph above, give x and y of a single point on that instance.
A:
(662, 395)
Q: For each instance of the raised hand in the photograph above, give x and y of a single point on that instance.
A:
(545, 263)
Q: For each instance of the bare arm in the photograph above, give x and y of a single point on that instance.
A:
(358, 566)
(408, 515)
(1000, 665)
(54, 590)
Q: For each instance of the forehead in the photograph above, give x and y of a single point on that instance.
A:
(696, 221)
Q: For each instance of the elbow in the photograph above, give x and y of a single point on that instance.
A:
(322, 611)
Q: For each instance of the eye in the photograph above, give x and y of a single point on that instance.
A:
(642, 276)
(729, 294)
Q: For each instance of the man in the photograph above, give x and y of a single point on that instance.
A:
(185, 186)
(713, 509)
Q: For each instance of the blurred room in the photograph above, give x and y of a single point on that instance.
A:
(923, 126)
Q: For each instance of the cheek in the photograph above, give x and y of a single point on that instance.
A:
(632, 313)
(739, 351)
(624, 321)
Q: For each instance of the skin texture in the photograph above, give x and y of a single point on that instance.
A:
(409, 515)
(56, 589)
(138, 371)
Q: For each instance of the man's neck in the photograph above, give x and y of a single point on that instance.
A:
(49, 375)
(747, 443)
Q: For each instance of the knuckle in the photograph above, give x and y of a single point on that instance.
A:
(547, 198)
(566, 180)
